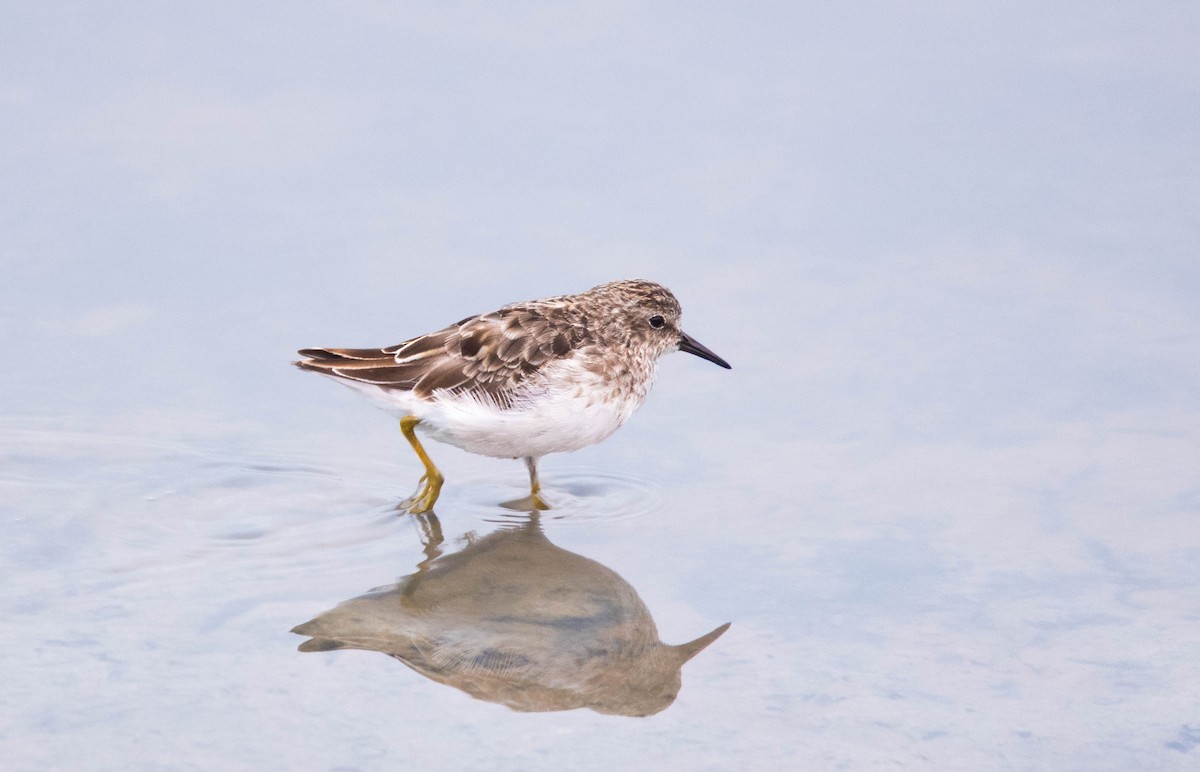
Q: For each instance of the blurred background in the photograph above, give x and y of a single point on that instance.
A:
(947, 496)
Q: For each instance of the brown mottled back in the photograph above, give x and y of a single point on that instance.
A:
(490, 355)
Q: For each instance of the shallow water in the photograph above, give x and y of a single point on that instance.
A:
(157, 584)
(153, 587)
(947, 498)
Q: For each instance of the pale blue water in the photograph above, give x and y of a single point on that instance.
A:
(948, 496)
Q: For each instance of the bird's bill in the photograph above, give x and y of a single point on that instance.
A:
(690, 345)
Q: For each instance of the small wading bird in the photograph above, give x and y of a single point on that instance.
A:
(544, 376)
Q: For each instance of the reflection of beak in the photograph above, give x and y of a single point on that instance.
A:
(688, 343)
(688, 650)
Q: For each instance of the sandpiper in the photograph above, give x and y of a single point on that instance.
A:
(533, 378)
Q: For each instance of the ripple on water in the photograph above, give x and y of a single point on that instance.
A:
(280, 515)
(138, 508)
(575, 496)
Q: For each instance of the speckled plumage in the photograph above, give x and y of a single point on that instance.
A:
(538, 377)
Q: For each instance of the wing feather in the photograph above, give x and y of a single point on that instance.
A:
(487, 356)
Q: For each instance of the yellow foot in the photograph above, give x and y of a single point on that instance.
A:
(535, 501)
(423, 500)
(426, 496)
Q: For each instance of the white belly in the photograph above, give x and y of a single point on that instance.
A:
(555, 420)
(568, 410)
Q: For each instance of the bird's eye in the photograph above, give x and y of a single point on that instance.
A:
(657, 321)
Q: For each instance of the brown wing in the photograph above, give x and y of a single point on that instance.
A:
(485, 355)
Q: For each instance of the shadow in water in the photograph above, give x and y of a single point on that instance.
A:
(513, 619)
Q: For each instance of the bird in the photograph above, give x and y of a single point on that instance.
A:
(529, 379)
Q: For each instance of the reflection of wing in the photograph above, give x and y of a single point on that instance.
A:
(445, 663)
(481, 355)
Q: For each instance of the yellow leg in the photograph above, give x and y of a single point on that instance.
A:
(535, 487)
(423, 500)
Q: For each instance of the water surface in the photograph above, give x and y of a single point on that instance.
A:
(947, 498)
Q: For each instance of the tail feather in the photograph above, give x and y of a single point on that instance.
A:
(365, 365)
(344, 353)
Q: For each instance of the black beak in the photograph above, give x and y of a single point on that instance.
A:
(688, 343)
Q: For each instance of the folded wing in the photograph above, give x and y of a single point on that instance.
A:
(487, 356)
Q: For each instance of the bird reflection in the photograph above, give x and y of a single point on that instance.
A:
(513, 619)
